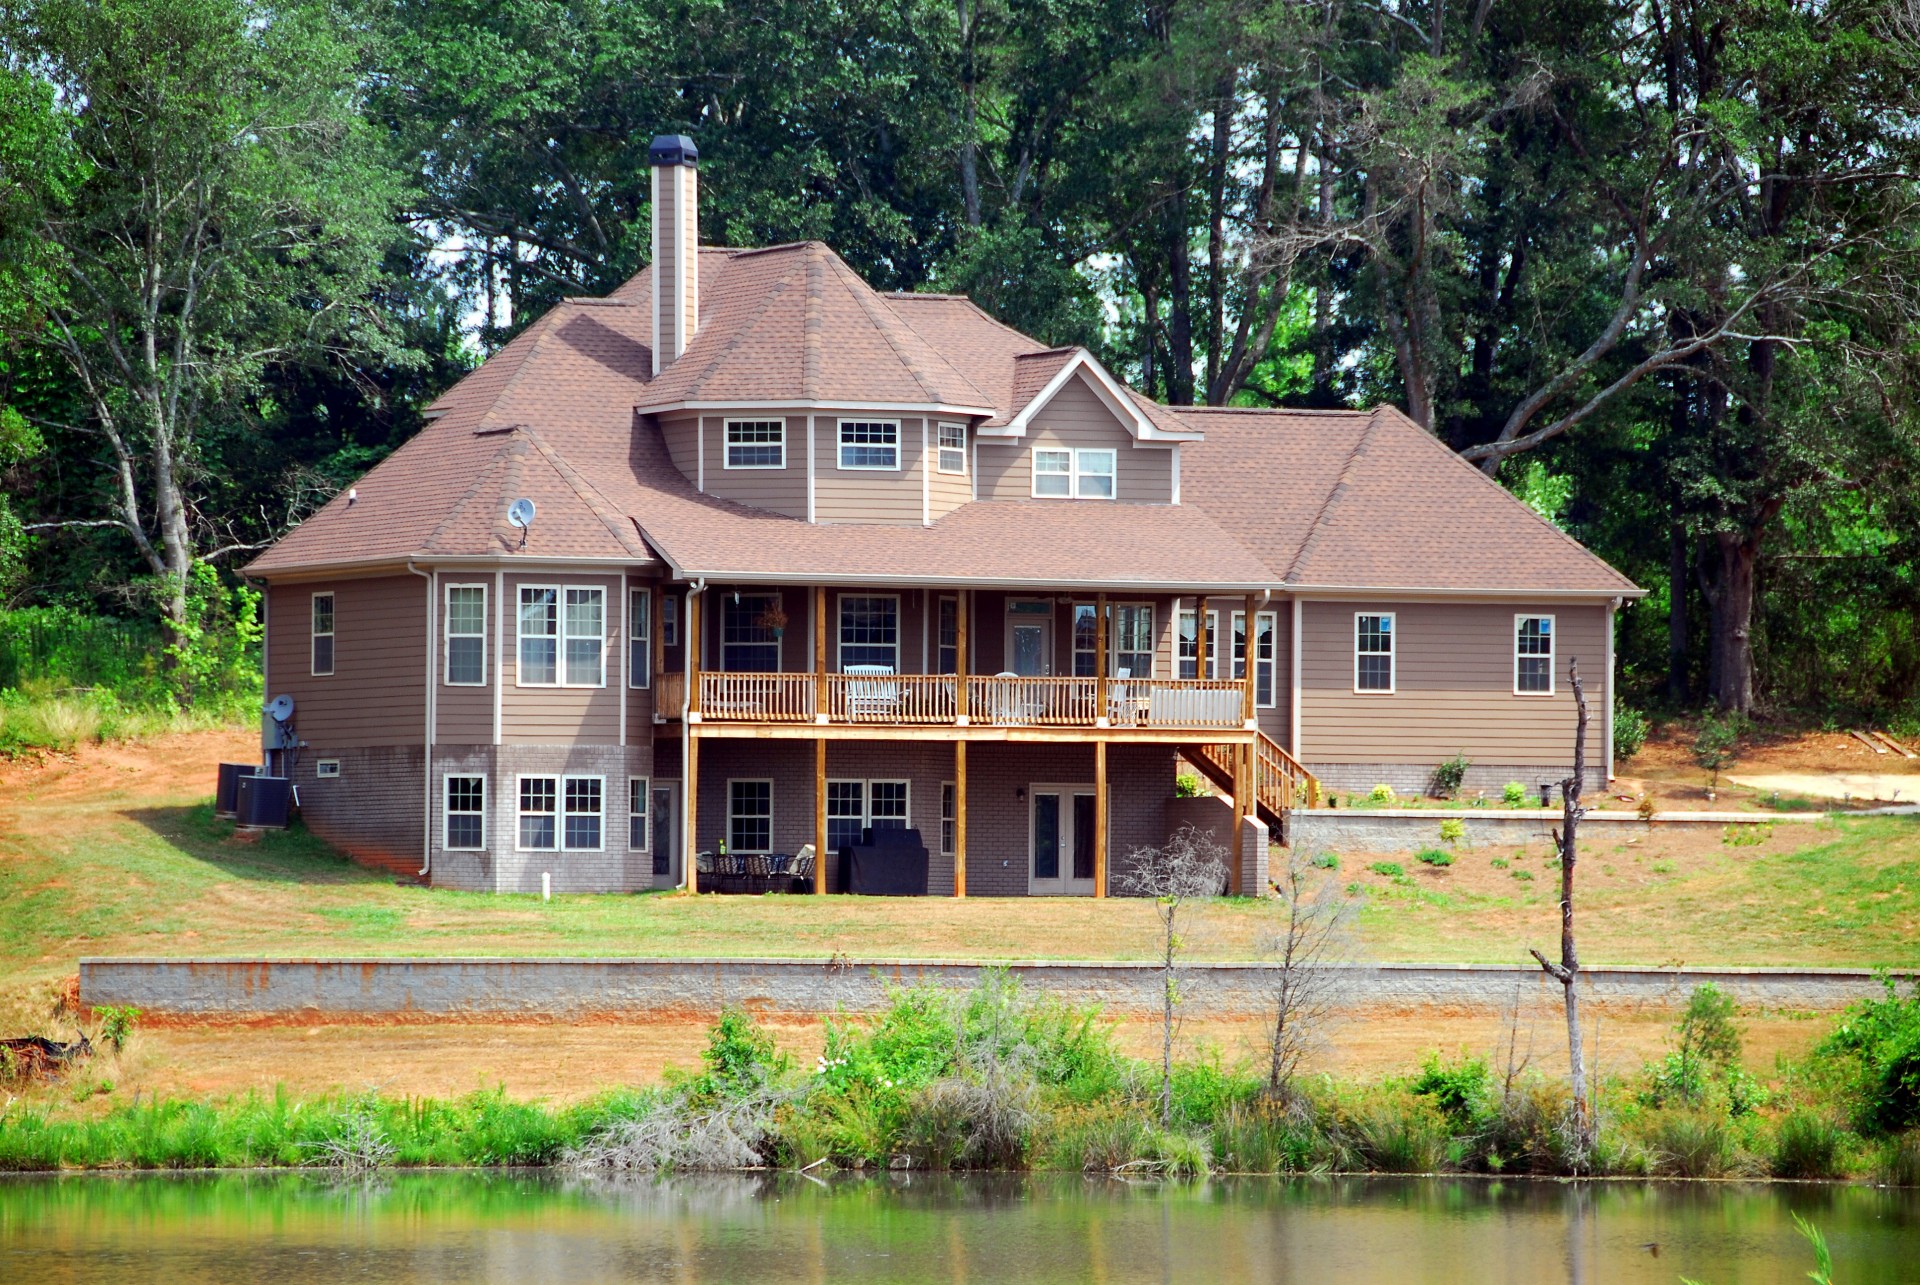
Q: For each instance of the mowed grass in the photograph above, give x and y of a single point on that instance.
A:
(125, 857)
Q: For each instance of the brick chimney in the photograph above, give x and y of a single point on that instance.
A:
(676, 246)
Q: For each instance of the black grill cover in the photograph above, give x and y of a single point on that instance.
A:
(885, 863)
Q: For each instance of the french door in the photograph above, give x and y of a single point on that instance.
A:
(666, 835)
(1060, 847)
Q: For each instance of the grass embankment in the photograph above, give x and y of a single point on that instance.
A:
(995, 1078)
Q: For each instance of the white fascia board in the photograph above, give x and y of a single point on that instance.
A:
(1111, 394)
(1038, 585)
(1403, 593)
(840, 404)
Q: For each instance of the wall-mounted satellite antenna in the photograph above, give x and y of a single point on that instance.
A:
(277, 732)
(520, 514)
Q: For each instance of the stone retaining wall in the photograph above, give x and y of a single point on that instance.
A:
(1411, 829)
(570, 989)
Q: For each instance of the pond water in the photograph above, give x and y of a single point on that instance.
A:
(262, 1229)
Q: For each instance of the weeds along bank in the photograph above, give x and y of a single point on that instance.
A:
(995, 1078)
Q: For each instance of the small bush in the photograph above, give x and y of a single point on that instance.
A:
(1875, 1053)
(1630, 728)
(1453, 830)
(1325, 861)
(1262, 1137)
(1381, 794)
(1692, 1144)
(1807, 1145)
(1399, 1136)
(1389, 869)
(1434, 856)
(1500, 863)
(116, 1024)
(1188, 786)
(1746, 835)
(1524, 876)
(1514, 794)
(1459, 1090)
(1447, 778)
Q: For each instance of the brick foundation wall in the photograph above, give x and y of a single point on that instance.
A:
(371, 811)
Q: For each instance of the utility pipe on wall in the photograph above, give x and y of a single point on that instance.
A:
(688, 804)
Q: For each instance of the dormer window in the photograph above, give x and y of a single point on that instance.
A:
(1079, 474)
(870, 444)
(756, 443)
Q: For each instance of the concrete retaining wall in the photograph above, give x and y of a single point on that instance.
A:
(1409, 830)
(575, 988)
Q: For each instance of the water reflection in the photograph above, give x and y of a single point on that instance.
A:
(262, 1229)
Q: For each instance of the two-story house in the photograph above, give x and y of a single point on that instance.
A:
(799, 559)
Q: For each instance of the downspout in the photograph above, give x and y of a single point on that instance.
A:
(426, 749)
(688, 804)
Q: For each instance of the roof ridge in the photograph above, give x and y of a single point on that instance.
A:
(1513, 499)
(590, 495)
(776, 249)
(884, 318)
(494, 465)
(542, 331)
(1333, 494)
(772, 295)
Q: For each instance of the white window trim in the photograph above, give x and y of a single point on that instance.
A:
(326, 770)
(841, 444)
(1253, 673)
(447, 635)
(646, 794)
(941, 449)
(669, 619)
(1553, 651)
(750, 780)
(727, 444)
(1213, 645)
(866, 785)
(1073, 473)
(639, 630)
(839, 627)
(947, 847)
(1113, 637)
(333, 649)
(1393, 655)
(446, 812)
(559, 813)
(560, 636)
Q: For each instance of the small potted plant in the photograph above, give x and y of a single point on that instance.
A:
(773, 620)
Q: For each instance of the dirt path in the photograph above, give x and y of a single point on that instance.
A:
(1884, 787)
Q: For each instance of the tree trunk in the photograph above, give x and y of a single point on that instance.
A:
(1179, 305)
(1217, 230)
(1678, 587)
(1732, 603)
(1567, 971)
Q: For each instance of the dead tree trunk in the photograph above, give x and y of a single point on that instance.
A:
(1567, 971)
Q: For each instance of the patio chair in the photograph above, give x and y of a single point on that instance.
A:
(759, 871)
(872, 692)
(801, 872)
(1004, 704)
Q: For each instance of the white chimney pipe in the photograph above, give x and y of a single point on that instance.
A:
(676, 246)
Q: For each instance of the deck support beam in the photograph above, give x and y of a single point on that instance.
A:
(1099, 818)
(1102, 716)
(820, 659)
(962, 604)
(960, 819)
(696, 655)
(820, 861)
(1200, 636)
(1242, 754)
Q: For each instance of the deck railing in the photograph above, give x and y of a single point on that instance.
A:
(932, 700)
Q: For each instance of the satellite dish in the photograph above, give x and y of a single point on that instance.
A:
(280, 708)
(520, 513)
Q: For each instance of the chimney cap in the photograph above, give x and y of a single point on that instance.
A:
(673, 149)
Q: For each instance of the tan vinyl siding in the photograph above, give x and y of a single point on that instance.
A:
(866, 495)
(375, 694)
(678, 431)
(640, 701)
(776, 490)
(1077, 417)
(1453, 686)
(463, 715)
(560, 715)
(948, 491)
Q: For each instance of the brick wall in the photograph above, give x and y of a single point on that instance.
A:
(371, 810)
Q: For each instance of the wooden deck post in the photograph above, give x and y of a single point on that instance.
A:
(820, 712)
(659, 627)
(1249, 634)
(1100, 713)
(690, 782)
(1241, 775)
(1100, 818)
(694, 657)
(960, 817)
(1200, 635)
(963, 601)
(820, 857)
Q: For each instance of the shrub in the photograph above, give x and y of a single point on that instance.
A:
(1500, 863)
(1807, 1145)
(1875, 1052)
(1692, 1144)
(1514, 794)
(1263, 1137)
(1325, 861)
(1453, 830)
(1381, 794)
(1187, 786)
(1630, 728)
(1524, 876)
(1448, 777)
(1389, 869)
(1746, 835)
(116, 1024)
(1900, 1160)
(1713, 747)
(1434, 856)
(1400, 1136)
(1459, 1090)
(1706, 1055)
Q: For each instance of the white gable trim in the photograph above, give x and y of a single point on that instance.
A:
(1112, 394)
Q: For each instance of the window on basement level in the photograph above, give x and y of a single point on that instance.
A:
(869, 444)
(953, 448)
(466, 813)
(756, 443)
(637, 798)
(1373, 653)
(466, 635)
(846, 813)
(539, 799)
(1533, 656)
(583, 800)
(749, 816)
(947, 800)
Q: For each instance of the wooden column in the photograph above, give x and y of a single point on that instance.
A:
(960, 818)
(963, 603)
(1242, 754)
(1250, 634)
(1100, 818)
(659, 627)
(820, 662)
(1100, 712)
(1200, 639)
(690, 782)
(820, 816)
(695, 656)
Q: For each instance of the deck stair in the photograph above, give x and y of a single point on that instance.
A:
(1281, 784)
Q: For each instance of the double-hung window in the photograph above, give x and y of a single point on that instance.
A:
(1533, 656)
(539, 802)
(948, 801)
(1373, 652)
(562, 636)
(748, 644)
(638, 794)
(869, 631)
(1190, 646)
(756, 443)
(669, 620)
(1132, 640)
(855, 806)
(1086, 640)
(639, 637)
(466, 661)
(750, 816)
(322, 633)
(870, 443)
(948, 661)
(561, 812)
(1265, 624)
(465, 814)
(1081, 473)
(953, 448)
(582, 803)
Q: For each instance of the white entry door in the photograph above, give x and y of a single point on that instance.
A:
(1030, 639)
(1060, 827)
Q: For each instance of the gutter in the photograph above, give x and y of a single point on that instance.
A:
(426, 748)
(689, 806)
